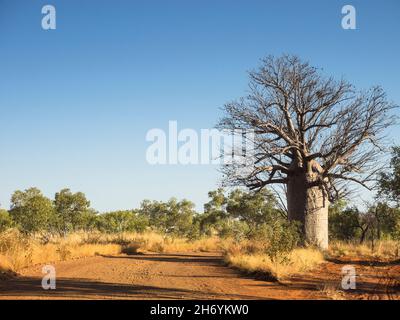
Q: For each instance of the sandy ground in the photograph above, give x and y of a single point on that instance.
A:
(195, 276)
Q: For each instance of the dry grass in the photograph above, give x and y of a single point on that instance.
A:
(18, 251)
(160, 243)
(250, 257)
(385, 250)
(299, 260)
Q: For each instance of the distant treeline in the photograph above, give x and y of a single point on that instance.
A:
(238, 213)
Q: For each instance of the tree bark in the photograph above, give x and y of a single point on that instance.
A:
(363, 233)
(309, 206)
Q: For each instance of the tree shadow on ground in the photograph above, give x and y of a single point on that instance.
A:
(367, 263)
(174, 258)
(86, 289)
(380, 285)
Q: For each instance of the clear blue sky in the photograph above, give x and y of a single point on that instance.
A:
(76, 102)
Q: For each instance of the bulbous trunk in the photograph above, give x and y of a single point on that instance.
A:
(308, 205)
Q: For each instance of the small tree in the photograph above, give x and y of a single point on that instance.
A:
(384, 221)
(31, 210)
(72, 210)
(344, 222)
(174, 217)
(122, 221)
(311, 134)
(389, 182)
(241, 214)
(214, 212)
(255, 208)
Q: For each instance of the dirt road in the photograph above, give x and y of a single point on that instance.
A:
(179, 276)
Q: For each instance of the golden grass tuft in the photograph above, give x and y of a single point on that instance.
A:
(299, 260)
(18, 251)
(154, 242)
(385, 250)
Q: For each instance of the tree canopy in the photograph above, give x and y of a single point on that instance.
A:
(302, 119)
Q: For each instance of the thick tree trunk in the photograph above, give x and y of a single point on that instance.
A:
(310, 207)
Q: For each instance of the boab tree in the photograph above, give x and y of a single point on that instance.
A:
(312, 134)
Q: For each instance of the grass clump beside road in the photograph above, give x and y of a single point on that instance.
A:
(18, 251)
(299, 260)
(275, 268)
(383, 250)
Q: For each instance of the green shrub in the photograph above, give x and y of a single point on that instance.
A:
(5, 220)
(283, 237)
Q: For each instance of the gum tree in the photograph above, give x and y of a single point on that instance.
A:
(31, 210)
(312, 134)
(72, 209)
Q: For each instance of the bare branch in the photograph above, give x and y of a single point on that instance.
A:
(307, 123)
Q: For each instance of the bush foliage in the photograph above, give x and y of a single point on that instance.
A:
(239, 215)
